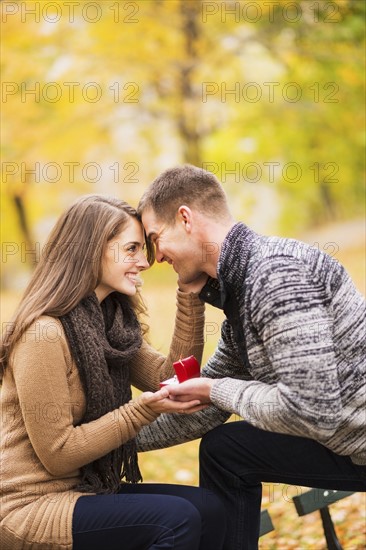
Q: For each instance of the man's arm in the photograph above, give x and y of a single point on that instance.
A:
(173, 429)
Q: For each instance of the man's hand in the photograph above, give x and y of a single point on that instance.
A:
(194, 286)
(159, 402)
(190, 390)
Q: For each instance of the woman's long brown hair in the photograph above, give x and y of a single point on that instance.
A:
(70, 265)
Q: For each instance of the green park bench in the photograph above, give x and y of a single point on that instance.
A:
(312, 501)
(319, 500)
(266, 525)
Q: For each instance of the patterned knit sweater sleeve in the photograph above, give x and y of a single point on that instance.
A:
(298, 391)
(41, 371)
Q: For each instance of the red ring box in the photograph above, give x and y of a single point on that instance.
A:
(185, 369)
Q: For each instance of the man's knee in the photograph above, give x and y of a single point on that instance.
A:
(225, 437)
(212, 440)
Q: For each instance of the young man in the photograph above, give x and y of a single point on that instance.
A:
(290, 361)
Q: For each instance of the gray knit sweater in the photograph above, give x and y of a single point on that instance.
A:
(299, 366)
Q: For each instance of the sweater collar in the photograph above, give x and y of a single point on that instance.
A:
(234, 255)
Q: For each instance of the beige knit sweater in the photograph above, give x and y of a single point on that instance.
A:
(43, 448)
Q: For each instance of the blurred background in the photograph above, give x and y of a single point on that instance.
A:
(100, 97)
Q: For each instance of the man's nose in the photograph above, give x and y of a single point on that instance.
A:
(159, 257)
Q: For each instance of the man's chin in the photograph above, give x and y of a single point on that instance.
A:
(188, 278)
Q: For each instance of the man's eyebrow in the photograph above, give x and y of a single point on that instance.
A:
(151, 234)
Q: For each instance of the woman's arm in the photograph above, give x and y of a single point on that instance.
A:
(149, 367)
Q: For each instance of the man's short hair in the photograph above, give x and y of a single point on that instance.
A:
(187, 185)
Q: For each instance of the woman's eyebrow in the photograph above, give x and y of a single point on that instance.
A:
(138, 243)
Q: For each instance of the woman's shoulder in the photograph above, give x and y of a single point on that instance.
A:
(43, 331)
(45, 337)
(46, 323)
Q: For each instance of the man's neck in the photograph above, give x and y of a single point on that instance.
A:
(213, 235)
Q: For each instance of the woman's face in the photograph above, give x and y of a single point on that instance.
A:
(122, 261)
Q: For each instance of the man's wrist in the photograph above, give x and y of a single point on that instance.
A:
(210, 384)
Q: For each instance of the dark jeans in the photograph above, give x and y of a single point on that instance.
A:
(150, 517)
(236, 457)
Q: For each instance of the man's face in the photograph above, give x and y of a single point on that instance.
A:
(174, 244)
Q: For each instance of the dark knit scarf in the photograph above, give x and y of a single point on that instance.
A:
(103, 338)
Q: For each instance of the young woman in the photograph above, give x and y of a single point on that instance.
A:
(73, 350)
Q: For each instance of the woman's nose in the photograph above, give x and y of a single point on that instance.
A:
(142, 262)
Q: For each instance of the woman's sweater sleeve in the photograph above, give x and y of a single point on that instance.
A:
(40, 369)
(149, 367)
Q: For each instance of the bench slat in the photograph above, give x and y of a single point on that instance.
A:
(266, 525)
(315, 499)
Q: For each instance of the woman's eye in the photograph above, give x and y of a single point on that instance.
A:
(132, 248)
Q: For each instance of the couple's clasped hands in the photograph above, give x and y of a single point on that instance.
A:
(185, 398)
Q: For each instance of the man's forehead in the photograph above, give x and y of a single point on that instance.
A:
(150, 222)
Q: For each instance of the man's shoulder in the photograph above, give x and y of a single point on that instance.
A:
(273, 248)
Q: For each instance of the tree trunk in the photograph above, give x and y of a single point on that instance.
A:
(28, 250)
(189, 112)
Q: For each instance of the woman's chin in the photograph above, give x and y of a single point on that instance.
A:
(128, 290)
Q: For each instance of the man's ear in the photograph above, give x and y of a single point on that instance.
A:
(185, 217)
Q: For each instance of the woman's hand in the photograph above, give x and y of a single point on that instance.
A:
(159, 402)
